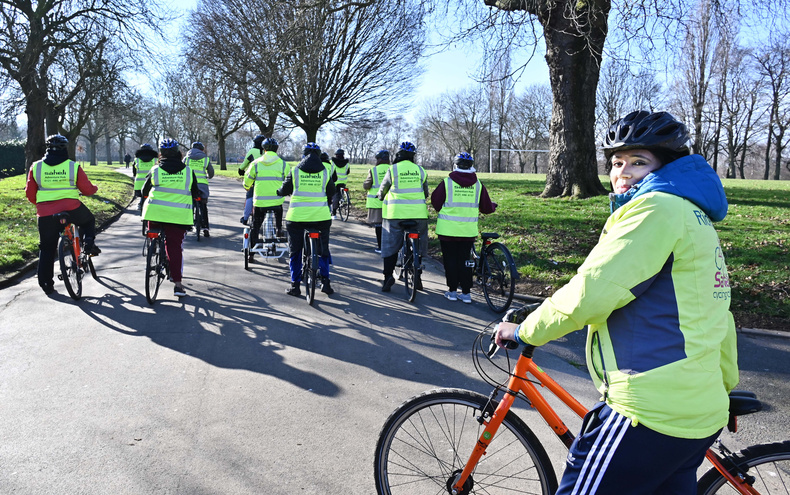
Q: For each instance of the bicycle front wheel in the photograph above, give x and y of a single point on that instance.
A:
(345, 205)
(499, 277)
(69, 269)
(153, 271)
(89, 262)
(429, 438)
(768, 464)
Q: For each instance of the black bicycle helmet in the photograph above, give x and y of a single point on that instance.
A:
(270, 144)
(324, 157)
(197, 145)
(464, 161)
(649, 130)
(383, 155)
(57, 142)
(257, 140)
(340, 152)
(147, 147)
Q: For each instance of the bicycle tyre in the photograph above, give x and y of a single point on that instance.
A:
(430, 436)
(153, 271)
(197, 220)
(768, 463)
(69, 269)
(499, 277)
(309, 270)
(410, 269)
(89, 262)
(345, 205)
(246, 257)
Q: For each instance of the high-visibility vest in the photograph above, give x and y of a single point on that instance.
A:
(308, 202)
(142, 172)
(458, 216)
(406, 197)
(342, 174)
(330, 167)
(199, 167)
(268, 173)
(255, 153)
(170, 199)
(57, 181)
(377, 172)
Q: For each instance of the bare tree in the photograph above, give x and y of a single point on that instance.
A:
(459, 120)
(32, 36)
(528, 123)
(775, 66)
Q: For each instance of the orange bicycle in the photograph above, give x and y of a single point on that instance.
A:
(460, 442)
(73, 260)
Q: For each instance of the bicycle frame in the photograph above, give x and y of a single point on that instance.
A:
(70, 233)
(520, 382)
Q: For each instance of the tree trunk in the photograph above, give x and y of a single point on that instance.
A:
(779, 149)
(221, 152)
(36, 110)
(107, 148)
(574, 67)
(767, 170)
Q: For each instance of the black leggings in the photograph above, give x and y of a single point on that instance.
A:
(49, 231)
(454, 256)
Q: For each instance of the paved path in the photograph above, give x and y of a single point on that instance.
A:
(237, 388)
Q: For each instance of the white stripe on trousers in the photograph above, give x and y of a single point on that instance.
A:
(601, 454)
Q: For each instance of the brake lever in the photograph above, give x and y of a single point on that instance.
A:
(493, 348)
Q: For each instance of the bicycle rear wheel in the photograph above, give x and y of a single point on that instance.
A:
(769, 464)
(499, 277)
(310, 268)
(154, 270)
(197, 220)
(410, 269)
(429, 438)
(345, 205)
(69, 269)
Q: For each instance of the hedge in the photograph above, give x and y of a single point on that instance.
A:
(12, 158)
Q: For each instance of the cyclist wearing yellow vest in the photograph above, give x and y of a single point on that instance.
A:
(459, 199)
(342, 169)
(144, 161)
(371, 186)
(200, 164)
(403, 192)
(169, 191)
(654, 296)
(311, 189)
(54, 185)
(266, 174)
(253, 154)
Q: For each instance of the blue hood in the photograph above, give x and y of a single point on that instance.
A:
(691, 178)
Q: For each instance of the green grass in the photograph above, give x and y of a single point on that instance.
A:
(18, 227)
(549, 238)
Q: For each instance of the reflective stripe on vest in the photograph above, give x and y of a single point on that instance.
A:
(142, 172)
(199, 167)
(459, 213)
(268, 178)
(170, 198)
(406, 197)
(56, 181)
(377, 172)
(308, 202)
(342, 174)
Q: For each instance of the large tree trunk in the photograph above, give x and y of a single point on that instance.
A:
(221, 151)
(36, 110)
(574, 67)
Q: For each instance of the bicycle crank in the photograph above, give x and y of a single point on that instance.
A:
(466, 489)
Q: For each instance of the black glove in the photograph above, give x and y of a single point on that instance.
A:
(241, 172)
(517, 315)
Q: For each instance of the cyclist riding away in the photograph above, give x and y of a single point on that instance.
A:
(54, 185)
(371, 186)
(655, 295)
(311, 189)
(169, 191)
(459, 199)
(144, 161)
(253, 154)
(200, 164)
(266, 174)
(342, 169)
(403, 191)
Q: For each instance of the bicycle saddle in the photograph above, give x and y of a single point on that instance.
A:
(63, 217)
(408, 224)
(489, 235)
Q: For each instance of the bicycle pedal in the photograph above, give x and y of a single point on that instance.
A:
(60, 276)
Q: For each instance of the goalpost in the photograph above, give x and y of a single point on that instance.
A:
(491, 155)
